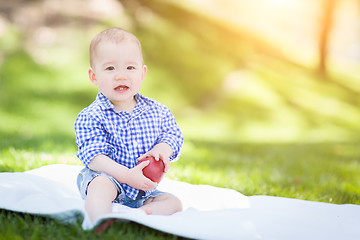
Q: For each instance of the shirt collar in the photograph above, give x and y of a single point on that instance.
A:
(106, 104)
(141, 104)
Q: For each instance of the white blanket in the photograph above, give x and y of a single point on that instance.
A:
(209, 212)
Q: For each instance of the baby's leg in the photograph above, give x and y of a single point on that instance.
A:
(100, 194)
(164, 204)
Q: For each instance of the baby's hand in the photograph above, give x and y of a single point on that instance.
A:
(161, 151)
(136, 179)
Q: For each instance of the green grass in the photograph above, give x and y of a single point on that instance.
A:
(24, 226)
(325, 172)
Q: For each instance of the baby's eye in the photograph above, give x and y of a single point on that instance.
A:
(110, 68)
(130, 68)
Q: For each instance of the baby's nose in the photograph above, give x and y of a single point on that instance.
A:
(120, 75)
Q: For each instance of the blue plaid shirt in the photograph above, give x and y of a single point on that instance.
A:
(123, 137)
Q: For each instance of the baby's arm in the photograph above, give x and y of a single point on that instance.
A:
(170, 134)
(133, 177)
(161, 151)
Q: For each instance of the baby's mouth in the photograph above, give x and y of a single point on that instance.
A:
(121, 88)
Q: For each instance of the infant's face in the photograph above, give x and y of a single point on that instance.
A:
(119, 71)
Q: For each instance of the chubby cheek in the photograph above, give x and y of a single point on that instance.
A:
(134, 81)
(136, 86)
(105, 86)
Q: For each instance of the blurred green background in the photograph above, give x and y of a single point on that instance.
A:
(231, 71)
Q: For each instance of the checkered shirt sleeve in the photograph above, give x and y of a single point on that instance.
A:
(171, 134)
(91, 138)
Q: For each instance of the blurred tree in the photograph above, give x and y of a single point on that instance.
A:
(201, 50)
(327, 8)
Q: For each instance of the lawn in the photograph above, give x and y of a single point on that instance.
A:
(317, 172)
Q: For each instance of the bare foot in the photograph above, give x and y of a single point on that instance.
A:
(148, 211)
(105, 225)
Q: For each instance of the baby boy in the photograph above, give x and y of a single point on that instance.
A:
(120, 128)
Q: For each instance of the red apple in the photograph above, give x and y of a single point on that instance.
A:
(155, 170)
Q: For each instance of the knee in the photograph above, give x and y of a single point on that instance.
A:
(175, 203)
(102, 187)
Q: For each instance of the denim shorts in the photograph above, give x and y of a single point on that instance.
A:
(86, 175)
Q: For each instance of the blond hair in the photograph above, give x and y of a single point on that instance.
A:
(115, 35)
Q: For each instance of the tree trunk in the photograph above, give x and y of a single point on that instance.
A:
(327, 11)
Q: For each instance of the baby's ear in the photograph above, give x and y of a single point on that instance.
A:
(145, 69)
(92, 76)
